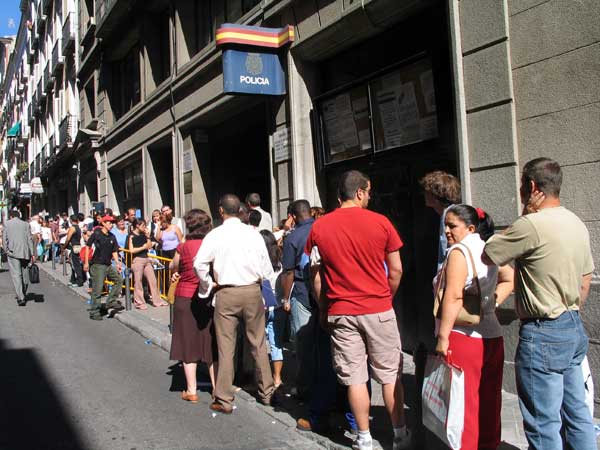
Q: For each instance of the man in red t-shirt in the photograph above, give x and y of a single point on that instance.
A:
(356, 270)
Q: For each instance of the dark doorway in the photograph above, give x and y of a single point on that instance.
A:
(161, 161)
(238, 159)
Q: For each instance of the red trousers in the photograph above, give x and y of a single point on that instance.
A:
(482, 361)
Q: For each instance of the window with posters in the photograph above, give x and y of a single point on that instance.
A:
(388, 111)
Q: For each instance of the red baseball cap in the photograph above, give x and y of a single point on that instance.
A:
(108, 218)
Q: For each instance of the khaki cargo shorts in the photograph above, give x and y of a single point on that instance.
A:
(369, 338)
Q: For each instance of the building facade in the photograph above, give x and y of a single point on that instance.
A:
(395, 89)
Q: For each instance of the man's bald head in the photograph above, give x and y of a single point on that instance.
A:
(230, 204)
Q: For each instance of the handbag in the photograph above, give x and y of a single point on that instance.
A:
(40, 250)
(76, 249)
(171, 292)
(34, 274)
(443, 400)
(470, 313)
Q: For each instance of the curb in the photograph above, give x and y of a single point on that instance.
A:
(158, 334)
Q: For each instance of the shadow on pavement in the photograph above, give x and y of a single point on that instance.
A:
(37, 298)
(32, 415)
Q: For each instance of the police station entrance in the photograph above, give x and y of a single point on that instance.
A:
(238, 157)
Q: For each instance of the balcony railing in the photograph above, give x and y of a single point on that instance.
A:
(48, 78)
(46, 6)
(86, 30)
(37, 163)
(41, 19)
(68, 32)
(57, 57)
(67, 130)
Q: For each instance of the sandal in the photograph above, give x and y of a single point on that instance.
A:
(140, 306)
(192, 398)
(161, 303)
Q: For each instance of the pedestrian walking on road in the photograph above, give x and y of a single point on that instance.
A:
(20, 249)
(551, 248)
(239, 262)
(193, 337)
(356, 302)
(106, 249)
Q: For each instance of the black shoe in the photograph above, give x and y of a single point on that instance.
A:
(21, 302)
(116, 305)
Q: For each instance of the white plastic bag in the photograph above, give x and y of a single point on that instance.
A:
(443, 400)
(589, 384)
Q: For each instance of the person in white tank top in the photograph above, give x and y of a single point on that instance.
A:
(477, 350)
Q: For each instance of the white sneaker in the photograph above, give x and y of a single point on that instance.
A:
(362, 445)
(402, 442)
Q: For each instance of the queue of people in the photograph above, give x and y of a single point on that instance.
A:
(334, 277)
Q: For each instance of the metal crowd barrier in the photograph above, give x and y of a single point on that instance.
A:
(161, 270)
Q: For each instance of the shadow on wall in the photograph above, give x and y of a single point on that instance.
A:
(32, 416)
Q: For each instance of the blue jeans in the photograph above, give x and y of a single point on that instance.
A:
(303, 327)
(275, 327)
(550, 383)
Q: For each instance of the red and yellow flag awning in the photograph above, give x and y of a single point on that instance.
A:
(258, 36)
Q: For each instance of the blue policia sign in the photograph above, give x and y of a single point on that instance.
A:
(252, 73)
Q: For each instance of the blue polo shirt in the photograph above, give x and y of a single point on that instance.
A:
(295, 259)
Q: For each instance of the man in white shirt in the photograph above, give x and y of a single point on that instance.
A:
(266, 221)
(240, 262)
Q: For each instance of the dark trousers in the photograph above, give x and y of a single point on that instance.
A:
(76, 269)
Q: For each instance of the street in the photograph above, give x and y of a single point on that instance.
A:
(71, 383)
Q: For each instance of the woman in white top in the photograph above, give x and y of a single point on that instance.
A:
(477, 350)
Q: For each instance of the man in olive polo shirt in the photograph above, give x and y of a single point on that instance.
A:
(106, 249)
(553, 268)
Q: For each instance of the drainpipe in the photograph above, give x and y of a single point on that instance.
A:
(459, 94)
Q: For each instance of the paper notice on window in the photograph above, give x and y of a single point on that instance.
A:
(390, 118)
(426, 79)
(339, 124)
(429, 129)
(409, 114)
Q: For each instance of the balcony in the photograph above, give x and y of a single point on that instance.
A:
(110, 13)
(67, 131)
(41, 94)
(46, 6)
(51, 146)
(37, 165)
(41, 20)
(48, 78)
(68, 33)
(57, 58)
(86, 30)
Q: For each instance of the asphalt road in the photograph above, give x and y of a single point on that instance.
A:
(67, 382)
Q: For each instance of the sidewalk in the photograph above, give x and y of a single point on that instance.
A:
(153, 325)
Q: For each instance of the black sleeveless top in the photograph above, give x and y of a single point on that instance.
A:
(138, 241)
(76, 237)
